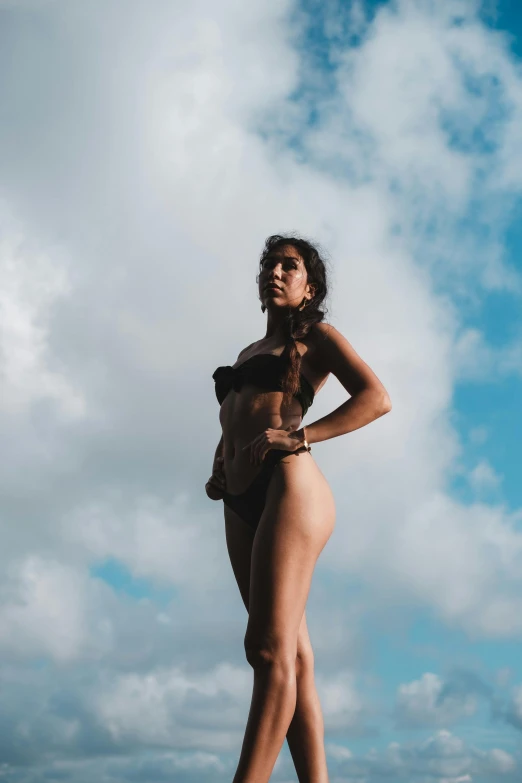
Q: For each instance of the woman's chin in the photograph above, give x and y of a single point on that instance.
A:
(275, 304)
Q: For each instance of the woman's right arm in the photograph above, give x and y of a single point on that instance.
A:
(218, 454)
(216, 483)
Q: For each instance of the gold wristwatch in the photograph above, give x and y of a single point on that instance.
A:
(302, 436)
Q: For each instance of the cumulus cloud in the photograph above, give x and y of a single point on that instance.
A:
(172, 709)
(435, 701)
(422, 703)
(30, 283)
(343, 708)
(477, 360)
(441, 758)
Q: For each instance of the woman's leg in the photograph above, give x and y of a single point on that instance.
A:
(305, 735)
(297, 521)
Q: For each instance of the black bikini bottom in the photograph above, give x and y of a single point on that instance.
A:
(249, 504)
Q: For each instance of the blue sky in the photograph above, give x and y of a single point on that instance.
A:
(494, 404)
(147, 151)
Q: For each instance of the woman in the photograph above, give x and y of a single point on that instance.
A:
(279, 509)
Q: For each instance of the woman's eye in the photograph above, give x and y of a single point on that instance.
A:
(270, 265)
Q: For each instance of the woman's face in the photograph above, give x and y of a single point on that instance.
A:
(284, 268)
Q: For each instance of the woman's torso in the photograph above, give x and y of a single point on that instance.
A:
(245, 414)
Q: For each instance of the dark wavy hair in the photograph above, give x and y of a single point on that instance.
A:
(297, 323)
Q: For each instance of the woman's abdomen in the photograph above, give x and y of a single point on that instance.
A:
(243, 416)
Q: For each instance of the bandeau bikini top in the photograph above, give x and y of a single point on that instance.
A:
(265, 370)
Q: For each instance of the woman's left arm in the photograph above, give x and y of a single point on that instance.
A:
(368, 401)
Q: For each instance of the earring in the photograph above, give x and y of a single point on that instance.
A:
(303, 305)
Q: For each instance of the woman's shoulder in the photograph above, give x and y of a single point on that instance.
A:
(242, 352)
(321, 336)
(316, 341)
(319, 332)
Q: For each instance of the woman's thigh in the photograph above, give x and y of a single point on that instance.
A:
(240, 539)
(297, 521)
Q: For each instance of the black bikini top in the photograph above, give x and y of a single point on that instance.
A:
(265, 370)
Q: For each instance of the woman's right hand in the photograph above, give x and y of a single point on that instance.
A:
(215, 486)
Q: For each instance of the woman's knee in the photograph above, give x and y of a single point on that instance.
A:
(304, 662)
(297, 661)
(273, 654)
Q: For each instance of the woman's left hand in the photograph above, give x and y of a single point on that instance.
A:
(271, 439)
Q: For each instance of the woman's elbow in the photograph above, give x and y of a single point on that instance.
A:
(385, 403)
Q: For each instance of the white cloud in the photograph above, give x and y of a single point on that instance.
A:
(419, 703)
(484, 477)
(476, 360)
(31, 281)
(171, 708)
(341, 704)
(503, 761)
(338, 752)
(442, 758)
(42, 610)
(158, 540)
(205, 709)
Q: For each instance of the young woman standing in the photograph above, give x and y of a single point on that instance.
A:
(279, 509)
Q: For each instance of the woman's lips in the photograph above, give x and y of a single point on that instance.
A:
(272, 288)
